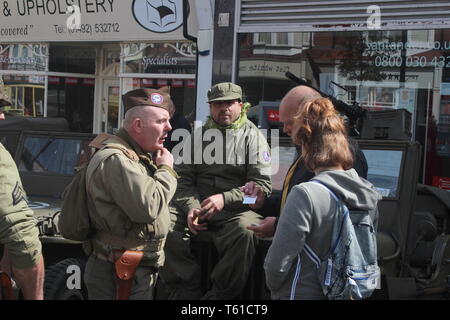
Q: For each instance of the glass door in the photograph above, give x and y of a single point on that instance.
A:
(110, 106)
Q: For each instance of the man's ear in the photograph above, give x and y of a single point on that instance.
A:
(137, 125)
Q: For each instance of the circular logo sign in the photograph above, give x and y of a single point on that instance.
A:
(156, 98)
(158, 15)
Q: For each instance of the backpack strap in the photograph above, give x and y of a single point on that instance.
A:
(335, 196)
(97, 143)
(308, 250)
(119, 143)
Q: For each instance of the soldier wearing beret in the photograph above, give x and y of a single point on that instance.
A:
(208, 201)
(130, 182)
(18, 232)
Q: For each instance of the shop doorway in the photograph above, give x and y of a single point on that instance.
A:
(110, 106)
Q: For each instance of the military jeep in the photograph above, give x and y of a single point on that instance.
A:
(46, 154)
(413, 231)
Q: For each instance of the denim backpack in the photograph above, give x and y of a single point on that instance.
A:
(350, 269)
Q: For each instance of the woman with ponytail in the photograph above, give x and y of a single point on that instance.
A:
(307, 216)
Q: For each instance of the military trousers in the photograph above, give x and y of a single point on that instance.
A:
(100, 280)
(236, 247)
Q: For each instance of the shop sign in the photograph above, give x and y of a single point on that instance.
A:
(53, 80)
(93, 20)
(441, 182)
(190, 83)
(158, 15)
(136, 83)
(268, 69)
(412, 79)
(162, 83)
(36, 79)
(145, 83)
(177, 83)
(273, 115)
(162, 57)
(89, 82)
(71, 81)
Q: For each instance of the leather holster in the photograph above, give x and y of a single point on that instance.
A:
(126, 263)
(6, 288)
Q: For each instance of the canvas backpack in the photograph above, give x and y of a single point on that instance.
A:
(350, 269)
(74, 221)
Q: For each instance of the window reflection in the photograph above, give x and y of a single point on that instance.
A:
(26, 93)
(379, 70)
(169, 57)
(182, 92)
(23, 57)
(72, 98)
(72, 58)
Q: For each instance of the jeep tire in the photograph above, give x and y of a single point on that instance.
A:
(56, 276)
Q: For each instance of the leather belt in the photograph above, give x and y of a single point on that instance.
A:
(126, 261)
(153, 245)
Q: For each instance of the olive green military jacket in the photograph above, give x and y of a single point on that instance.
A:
(128, 200)
(244, 157)
(18, 231)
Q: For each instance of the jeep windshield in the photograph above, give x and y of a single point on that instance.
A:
(53, 155)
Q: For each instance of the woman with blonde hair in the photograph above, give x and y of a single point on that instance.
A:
(307, 217)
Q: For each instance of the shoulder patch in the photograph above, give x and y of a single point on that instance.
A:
(18, 194)
(266, 156)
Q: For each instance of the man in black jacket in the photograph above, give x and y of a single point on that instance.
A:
(271, 207)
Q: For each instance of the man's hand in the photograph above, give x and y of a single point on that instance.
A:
(211, 206)
(193, 221)
(265, 229)
(163, 156)
(251, 189)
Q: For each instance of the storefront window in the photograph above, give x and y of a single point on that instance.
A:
(163, 64)
(169, 57)
(23, 57)
(182, 92)
(73, 99)
(73, 59)
(111, 61)
(110, 111)
(26, 93)
(405, 70)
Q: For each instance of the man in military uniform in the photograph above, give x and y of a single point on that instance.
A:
(208, 199)
(18, 232)
(130, 182)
